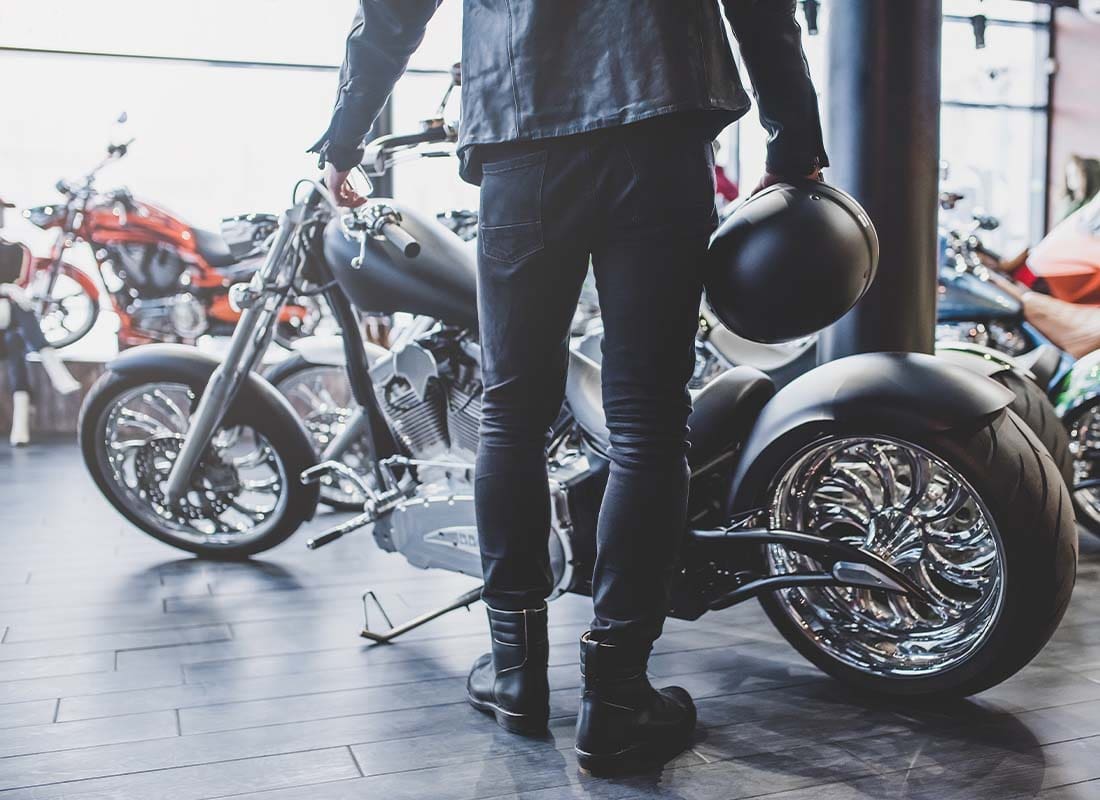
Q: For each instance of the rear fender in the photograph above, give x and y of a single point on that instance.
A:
(887, 392)
(976, 358)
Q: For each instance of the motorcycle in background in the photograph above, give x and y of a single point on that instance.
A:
(1066, 263)
(982, 300)
(905, 531)
(166, 280)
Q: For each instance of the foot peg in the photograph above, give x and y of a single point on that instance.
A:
(462, 601)
(370, 513)
(343, 529)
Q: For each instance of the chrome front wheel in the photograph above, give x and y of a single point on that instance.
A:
(243, 496)
(67, 311)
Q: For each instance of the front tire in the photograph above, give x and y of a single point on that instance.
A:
(1019, 568)
(245, 497)
(71, 310)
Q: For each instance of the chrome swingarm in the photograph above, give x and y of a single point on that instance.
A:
(851, 566)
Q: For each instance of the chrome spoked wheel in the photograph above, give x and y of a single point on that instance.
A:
(238, 490)
(321, 397)
(68, 313)
(1084, 446)
(911, 508)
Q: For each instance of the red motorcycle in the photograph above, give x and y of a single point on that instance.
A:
(166, 280)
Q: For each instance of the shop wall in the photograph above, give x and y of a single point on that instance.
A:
(1076, 128)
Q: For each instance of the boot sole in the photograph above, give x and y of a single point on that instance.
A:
(522, 724)
(637, 758)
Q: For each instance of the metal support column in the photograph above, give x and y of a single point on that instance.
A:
(883, 141)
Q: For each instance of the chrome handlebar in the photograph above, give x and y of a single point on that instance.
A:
(385, 151)
(379, 221)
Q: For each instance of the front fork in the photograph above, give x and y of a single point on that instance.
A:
(57, 258)
(262, 302)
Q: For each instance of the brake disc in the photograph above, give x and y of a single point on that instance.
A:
(213, 487)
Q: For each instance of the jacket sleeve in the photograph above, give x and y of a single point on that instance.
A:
(384, 35)
(770, 40)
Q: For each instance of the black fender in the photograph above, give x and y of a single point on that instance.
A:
(977, 358)
(189, 365)
(893, 392)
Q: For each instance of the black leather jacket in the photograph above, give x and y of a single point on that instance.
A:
(533, 69)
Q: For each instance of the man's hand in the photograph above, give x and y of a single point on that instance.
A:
(770, 179)
(337, 182)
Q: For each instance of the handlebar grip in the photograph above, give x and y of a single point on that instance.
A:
(401, 239)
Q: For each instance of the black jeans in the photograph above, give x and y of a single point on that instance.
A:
(638, 202)
(21, 337)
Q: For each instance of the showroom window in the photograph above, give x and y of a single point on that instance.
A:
(994, 117)
(247, 96)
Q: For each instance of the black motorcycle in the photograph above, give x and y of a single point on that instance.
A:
(904, 530)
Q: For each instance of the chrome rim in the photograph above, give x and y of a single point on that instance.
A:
(67, 313)
(321, 397)
(238, 491)
(1084, 446)
(912, 509)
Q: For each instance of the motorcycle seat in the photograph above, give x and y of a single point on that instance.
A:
(1043, 362)
(723, 411)
(213, 248)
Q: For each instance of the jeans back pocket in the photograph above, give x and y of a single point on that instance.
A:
(510, 219)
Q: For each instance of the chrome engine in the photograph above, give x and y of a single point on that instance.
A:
(430, 393)
(180, 317)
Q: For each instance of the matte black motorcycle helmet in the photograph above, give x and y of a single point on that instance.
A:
(792, 260)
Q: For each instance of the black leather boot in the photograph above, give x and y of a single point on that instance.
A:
(510, 683)
(624, 724)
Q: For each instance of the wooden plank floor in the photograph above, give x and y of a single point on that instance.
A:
(128, 670)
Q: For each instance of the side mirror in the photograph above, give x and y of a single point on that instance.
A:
(987, 222)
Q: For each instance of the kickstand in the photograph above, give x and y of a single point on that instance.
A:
(462, 601)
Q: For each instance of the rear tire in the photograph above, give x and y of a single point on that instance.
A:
(1018, 483)
(1034, 407)
(1081, 427)
(283, 376)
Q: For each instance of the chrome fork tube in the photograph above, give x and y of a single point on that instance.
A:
(250, 339)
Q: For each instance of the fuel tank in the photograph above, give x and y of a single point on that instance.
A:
(441, 282)
(964, 297)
